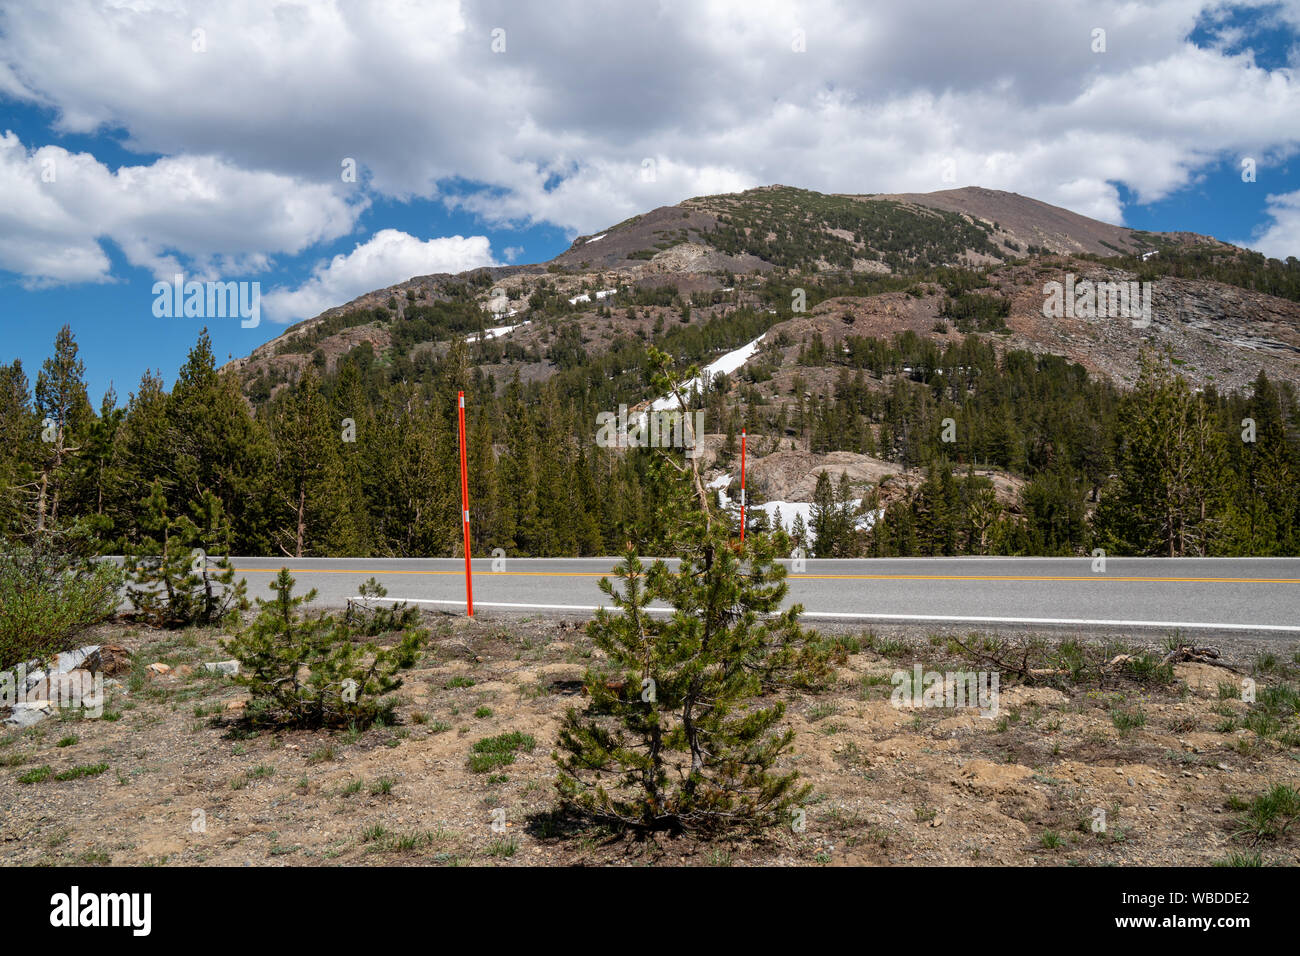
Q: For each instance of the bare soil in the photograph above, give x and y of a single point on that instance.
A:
(184, 784)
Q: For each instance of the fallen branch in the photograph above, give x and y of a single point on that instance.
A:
(1188, 653)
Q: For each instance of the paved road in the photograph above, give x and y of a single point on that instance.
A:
(1198, 595)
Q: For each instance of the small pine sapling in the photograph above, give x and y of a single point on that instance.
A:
(682, 734)
(306, 671)
(174, 583)
(372, 618)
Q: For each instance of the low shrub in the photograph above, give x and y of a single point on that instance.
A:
(306, 671)
(51, 589)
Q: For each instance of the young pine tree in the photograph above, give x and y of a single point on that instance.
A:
(173, 581)
(682, 735)
(307, 671)
(822, 517)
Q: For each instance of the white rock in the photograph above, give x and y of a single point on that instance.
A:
(28, 713)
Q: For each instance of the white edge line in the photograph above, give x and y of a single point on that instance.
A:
(545, 607)
(946, 618)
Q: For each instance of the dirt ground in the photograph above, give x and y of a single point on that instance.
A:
(1117, 772)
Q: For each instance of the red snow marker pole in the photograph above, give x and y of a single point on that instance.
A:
(464, 505)
(742, 486)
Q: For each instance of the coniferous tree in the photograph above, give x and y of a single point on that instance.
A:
(588, 508)
(1264, 510)
(679, 737)
(19, 435)
(348, 529)
(141, 457)
(306, 446)
(799, 531)
(306, 671)
(174, 580)
(1054, 515)
(822, 518)
(1170, 489)
(102, 479)
(213, 444)
(65, 411)
(847, 512)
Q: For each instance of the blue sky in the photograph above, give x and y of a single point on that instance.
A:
(210, 138)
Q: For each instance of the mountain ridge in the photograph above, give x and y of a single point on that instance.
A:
(964, 200)
(868, 245)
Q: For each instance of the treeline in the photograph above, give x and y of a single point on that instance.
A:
(1243, 268)
(349, 461)
(1160, 470)
(328, 466)
(793, 228)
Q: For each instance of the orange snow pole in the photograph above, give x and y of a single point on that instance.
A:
(464, 505)
(742, 486)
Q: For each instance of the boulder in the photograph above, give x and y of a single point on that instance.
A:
(114, 659)
(28, 713)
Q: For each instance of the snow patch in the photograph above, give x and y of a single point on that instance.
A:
(587, 298)
(725, 365)
(497, 331)
(787, 510)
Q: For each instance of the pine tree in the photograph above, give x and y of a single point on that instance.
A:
(19, 435)
(847, 512)
(1054, 515)
(62, 405)
(174, 582)
(348, 528)
(587, 508)
(305, 671)
(519, 473)
(981, 512)
(1170, 493)
(142, 456)
(306, 446)
(102, 478)
(213, 444)
(799, 531)
(678, 736)
(822, 518)
(1264, 509)
(485, 506)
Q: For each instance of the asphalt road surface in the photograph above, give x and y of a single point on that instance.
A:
(1197, 595)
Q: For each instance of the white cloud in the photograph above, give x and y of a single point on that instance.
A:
(559, 124)
(1280, 238)
(214, 217)
(389, 257)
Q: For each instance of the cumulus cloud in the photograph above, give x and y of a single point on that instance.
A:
(1280, 238)
(836, 95)
(183, 211)
(389, 257)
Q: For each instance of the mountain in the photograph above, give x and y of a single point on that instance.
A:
(914, 375)
(877, 264)
(800, 229)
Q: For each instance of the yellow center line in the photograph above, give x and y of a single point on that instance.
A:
(809, 577)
